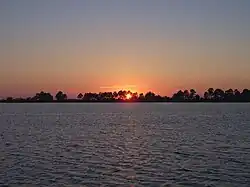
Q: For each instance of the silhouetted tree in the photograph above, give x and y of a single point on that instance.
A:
(197, 97)
(150, 96)
(43, 97)
(229, 95)
(129, 92)
(122, 94)
(218, 94)
(60, 96)
(179, 96)
(28, 99)
(158, 98)
(106, 96)
(210, 93)
(134, 96)
(186, 95)
(20, 99)
(245, 95)
(166, 98)
(91, 97)
(192, 94)
(141, 97)
(79, 96)
(9, 99)
(237, 95)
(206, 96)
(115, 95)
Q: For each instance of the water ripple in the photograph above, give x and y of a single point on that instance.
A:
(115, 145)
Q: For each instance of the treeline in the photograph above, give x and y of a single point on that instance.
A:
(211, 95)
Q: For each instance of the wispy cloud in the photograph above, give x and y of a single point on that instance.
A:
(118, 87)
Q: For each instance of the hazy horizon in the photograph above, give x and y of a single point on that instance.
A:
(97, 46)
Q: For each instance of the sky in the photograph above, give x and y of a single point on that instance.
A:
(106, 45)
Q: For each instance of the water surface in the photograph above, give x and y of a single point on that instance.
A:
(125, 144)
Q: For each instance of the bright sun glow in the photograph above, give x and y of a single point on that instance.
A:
(128, 96)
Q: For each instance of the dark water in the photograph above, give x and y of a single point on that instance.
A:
(125, 145)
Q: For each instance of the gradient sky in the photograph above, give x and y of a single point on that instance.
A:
(102, 45)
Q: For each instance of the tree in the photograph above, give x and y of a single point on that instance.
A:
(65, 97)
(216, 95)
(192, 94)
(129, 92)
(236, 93)
(210, 93)
(245, 95)
(43, 97)
(179, 96)
(219, 94)
(106, 96)
(122, 94)
(149, 96)
(197, 97)
(206, 96)
(134, 96)
(79, 96)
(237, 96)
(115, 95)
(60, 96)
(186, 94)
(141, 97)
(91, 96)
(229, 95)
(9, 99)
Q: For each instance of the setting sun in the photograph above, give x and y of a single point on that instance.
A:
(128, 96)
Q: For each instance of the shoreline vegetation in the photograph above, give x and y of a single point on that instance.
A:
(211, 95)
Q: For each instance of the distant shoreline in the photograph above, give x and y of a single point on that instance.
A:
(182, 96)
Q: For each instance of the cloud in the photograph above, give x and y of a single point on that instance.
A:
(118, 87)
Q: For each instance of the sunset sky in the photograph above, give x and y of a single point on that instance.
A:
(106, 45)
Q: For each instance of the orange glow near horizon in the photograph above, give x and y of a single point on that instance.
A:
(123, 45)
(128, 96)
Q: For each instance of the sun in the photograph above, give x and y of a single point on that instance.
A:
(128, 96)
